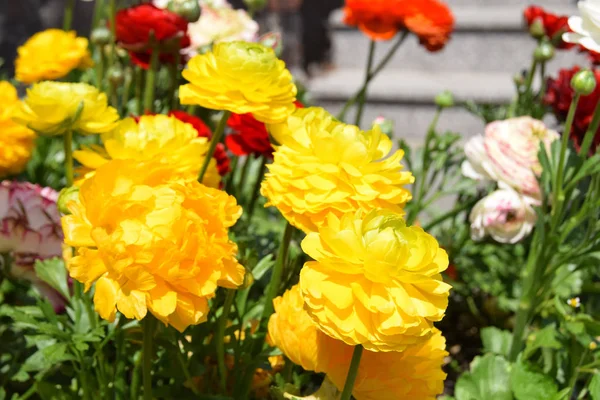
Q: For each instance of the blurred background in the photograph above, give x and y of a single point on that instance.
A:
(488, 47)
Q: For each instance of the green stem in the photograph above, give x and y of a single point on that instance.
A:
(591, 132)
(422, 185)
(213, 143)
(363, 97)
(220, 337)
(68, 143)
(382, 64)
(174, 80)
(112, 10)
(126, 91)
(256, 188)
(352, 372)
(100, 69)
(543, 77)
(98, 10)
(573, 381)
(119, 371)
(150, 82)
(234, 163)
(186, 372)
(68, 16)
(273, 287)
(135, 377)
(147, 351)
(558, 189)
(430, 225)
(530, 76)
(243, 176)
(139, 83)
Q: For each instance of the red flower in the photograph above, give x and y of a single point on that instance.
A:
(554, 25)
(250, 137)
(452, 272)
(133, 28)
(559, 96)
(223, 162)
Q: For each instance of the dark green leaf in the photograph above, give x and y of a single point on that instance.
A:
(594, 387)
(496, 341)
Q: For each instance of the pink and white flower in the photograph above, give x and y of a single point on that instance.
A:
(508, 154)
(30, 230)
(504, 215)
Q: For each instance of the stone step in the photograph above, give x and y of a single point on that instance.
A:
(406, 97)
(487, 38)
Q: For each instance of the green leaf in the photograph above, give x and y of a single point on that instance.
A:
(489, 379)
(47, 357)
(594, 387)
(496, 341)
(529, 384)
(562, 395)
(545, 338)
(53, 272)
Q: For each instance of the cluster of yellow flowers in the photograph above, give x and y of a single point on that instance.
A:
(152, 238)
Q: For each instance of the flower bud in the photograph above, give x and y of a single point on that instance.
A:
(519, 79)
(255, 5)
(65, 196)
(544, 52)
(116, 76)
(584, 82)
(444, 99)
(385, 125)
(100, 36)
(272, 40)
(537, 29)
(190, 10)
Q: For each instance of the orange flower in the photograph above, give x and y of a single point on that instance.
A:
(431, 20)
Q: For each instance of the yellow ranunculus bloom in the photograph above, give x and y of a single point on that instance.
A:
(53, 108)
(16, 141)
(374, 281)
(414, 373)
(292, 330)
(152, 244)
(161, 138)
(50, 55)
(323, 166)
(243, 78)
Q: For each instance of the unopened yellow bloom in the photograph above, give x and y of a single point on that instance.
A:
(323, 166)
(374, 281)
(243, 78)
(161, 138)
(16, 141)
(414, 373)
(53, 108)
(151, 243)
(50, 55)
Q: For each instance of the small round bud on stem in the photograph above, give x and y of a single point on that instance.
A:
(255, 5)
(544, 52)
(584, 82)
(100, 36)
(65, 196)
(537, 29)
(116, 76)
(190, 10)
(445, 99)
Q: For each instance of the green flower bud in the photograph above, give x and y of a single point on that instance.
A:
(544, 52)
(445, 99)
(537, 29)
(519, 79)
(256, 5)
(584, 82)
(100, 36)
(190, 10)
(386, 125)
(272, 40)
(65, 197)
(116, 76)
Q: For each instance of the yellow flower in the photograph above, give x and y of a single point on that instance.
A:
(53, 108)
(243, 78)
(51, 54)
(292, 331)
(160, 138)
(16, 141)
(414, 373)
(374, 281)
(151, 244)
(324, 166)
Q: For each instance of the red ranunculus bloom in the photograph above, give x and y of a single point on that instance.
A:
(554, 25)
(250, 136)
(559, 96)
(133, 28)
(223, 162)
